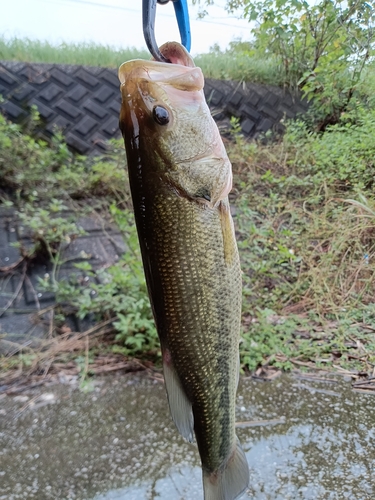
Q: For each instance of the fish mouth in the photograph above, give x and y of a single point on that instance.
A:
(181, 73)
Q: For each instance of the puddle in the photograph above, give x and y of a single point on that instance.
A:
(303, 440)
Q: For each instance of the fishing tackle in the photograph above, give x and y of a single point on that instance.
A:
(148, 18)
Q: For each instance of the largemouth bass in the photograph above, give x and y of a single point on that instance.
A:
(180, 177)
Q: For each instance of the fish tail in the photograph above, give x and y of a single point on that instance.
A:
(230, 482)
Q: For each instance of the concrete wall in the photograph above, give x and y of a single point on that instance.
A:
(84, 102)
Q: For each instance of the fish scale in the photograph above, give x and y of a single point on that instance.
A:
(198, 304)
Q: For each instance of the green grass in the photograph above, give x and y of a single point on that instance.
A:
(231, 65)
(215, 64)
(90, 54)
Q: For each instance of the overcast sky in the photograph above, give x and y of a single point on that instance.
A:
(114, 22)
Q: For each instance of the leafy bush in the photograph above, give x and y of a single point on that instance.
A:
(33, 169)
(322, 47)
(343, 156)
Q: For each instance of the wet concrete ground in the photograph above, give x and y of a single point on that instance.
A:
(304, 439)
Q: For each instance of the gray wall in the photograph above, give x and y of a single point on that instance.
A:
(84, 102)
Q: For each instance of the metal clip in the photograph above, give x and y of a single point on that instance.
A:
(148, 17)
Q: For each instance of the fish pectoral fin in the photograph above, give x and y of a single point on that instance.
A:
(231, 481)
(227, 227)
(223, 188)
(179, 405)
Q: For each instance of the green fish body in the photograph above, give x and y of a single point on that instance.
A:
(180, 177)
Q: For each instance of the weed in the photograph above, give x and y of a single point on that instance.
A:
(343, 156)
(48, 227)
(118, 292)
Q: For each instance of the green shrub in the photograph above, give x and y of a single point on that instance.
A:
(322, 47)
(33, 169)
(343, 156)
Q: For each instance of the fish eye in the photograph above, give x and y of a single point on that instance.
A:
(161, 115)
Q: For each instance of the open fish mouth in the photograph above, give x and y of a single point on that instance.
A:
(181, 73)
(177, 87)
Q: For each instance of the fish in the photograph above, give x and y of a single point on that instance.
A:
(180, 177)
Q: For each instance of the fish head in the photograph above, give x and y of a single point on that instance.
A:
(162, 102)
(166, 122)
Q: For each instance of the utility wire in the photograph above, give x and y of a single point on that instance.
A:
(118, 7)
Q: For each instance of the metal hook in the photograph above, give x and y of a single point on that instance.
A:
(148, 17)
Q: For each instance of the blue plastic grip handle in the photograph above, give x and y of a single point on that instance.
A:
(182, 15)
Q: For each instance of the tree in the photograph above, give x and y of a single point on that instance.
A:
(323, 46)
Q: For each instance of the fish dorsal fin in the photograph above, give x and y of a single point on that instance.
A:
(179, 405)
(231, 481)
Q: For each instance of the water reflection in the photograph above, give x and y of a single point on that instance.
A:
(181, 483)
(119, 443)
(307, 462)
